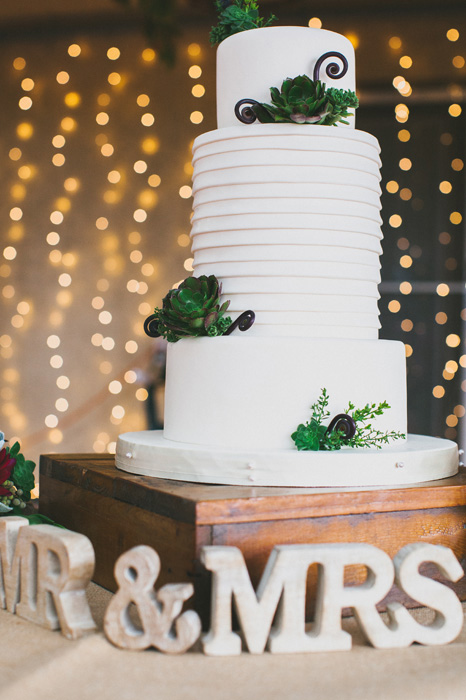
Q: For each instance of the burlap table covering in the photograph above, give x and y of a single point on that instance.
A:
(38, 664)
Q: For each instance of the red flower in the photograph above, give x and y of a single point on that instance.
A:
(7, 464)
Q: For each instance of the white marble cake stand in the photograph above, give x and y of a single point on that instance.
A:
(419, 459)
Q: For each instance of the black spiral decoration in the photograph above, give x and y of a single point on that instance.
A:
(243, 322)
(245, 115)
(344, 424)
(150, 326)
(333, 70)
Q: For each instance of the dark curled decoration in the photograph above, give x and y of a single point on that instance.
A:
(333, 70)
(243, 322)
(245, 115)
(344, 424)
(150, 326)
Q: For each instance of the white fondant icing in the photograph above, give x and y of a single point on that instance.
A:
(255, 391)
(249, 64)
(423, 458)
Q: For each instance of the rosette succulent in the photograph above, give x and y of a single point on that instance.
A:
(304, 101)
(236, 16)
(192, 310)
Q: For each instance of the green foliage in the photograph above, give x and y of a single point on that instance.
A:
(304, 101)
(19, 484)
(193, 310)
(236, 16)
(22, 475)
(313, 435)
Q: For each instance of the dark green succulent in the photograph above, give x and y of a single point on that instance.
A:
(192, 310)
(236, 16)
(304, 101)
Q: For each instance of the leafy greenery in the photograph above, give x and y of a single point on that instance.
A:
(18, 478)
(193, 310)
(313, 435)
(304, 101)
(236, 16)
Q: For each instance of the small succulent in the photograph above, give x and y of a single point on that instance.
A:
(304, 101)
(236, 16)
(192, 310)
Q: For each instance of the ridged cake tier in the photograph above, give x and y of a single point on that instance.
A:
(288, 218)
(241, 391)
(249, 64)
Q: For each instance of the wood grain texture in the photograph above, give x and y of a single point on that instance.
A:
(118, 511)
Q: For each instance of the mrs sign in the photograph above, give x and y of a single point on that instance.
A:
(44, 572)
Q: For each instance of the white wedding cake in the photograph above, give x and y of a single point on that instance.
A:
(287, 217)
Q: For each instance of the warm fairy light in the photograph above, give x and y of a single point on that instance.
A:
(53, 238)
(445, 187)
(404, 135)
(63, 382)
(62, 77)
(451, 420)
(453, 35)
(131, 347)
(64, 298)
(141, 394)
(102, 118)
(24, 131)
(8, 291)
(401, 113)
(105, 317)
(15, 153)
(16, 214)
(56, 217)
(198, 90)
(147, 269)
(441, 318)
(132, 286)
(456, 217)
(154, 180)
(108, 343)
(408, 350)
(148, 199)
(150, 145)
(96, 339)
(188, 264)
(72, 99)
(107, 150)
(143, 100)
(196, 117)
(18, 191)
(458, 61)
(148, 55)
(443, 290)
(51, 421)
(140, 166)
(5, 341)
(103, 100)
(395, 221)
(56, 361)
(25, 103)
(405, 164)
(406, 61)
(61, 405)
(130, 376)
(9, 253)
(183, 240)
(139, 215)
(143, 288)
(392, 186)
(55, 436)
(459, 411)
(27, 84)
(144, 308)
(135, 256)
(453, 340)
(438, 391)
(101, 223)
(406, 288)
(195, 72)
(114, 78)
(407, 325)
(395, 42)
(114, 176)
(147, 119)
(68, 124)
(444, 238)
(58, 141)
(194, 50)
(103, 285)
(64, 280)
(394, 306)
(113, 53)
(451, 366)
(315, 22)
(457, 164)
(19, 63)
(454, 110)
(55, 257)
(405, 194)
(74, 50)
(53, 341)
(58, 160)
(17, 321)
(118, 411)
(185, 192)
(25, 172)
(115, 387)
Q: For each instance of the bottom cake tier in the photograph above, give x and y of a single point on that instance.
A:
(416, 460)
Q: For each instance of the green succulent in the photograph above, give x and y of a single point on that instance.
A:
(236, 16)
(304, 101)
(193, 310)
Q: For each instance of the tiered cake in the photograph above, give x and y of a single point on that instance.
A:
(287, 217)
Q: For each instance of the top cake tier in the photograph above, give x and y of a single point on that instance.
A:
(251, 62)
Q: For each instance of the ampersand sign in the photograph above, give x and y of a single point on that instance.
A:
(161, 624)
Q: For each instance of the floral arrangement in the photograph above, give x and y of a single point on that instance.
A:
(351, 429)
(192, 310)
(304, 101)
(16, 478)
(236, 16)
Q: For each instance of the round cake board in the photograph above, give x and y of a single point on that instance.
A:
(418, 459)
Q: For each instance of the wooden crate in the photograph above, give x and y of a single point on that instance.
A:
(117, 511)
